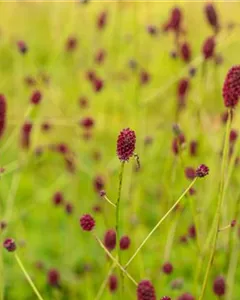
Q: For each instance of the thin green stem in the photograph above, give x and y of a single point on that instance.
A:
(160, 222)
(27, 277)
(109, 201)
(118, 224)
(115, 260)
(216, 221)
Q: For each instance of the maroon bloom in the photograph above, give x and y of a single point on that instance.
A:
(190, 173)
(102, 193)
(58, 198)
(167, 268)
(87, 122)
(3, 109)
(144, 77)
(97, 84)
(98, 183)
(186, 52)
(193, 147)
(182, 90)
(91, 75)
(208, 48)
(202, 171)
(174, 22)
(124, 242)
(177, 143)
(9, 245)
(3, 225)
(126, 144)
(71, 44)
(101, 20)
(145, 291)
(113, 283)
(231, 87)
(36, 97)
(22, 47)
(25, 134)
(219, 286)
(192, 232)
(53, 277)
(46, 126)
(69, 208)
(152, 29)
(233, 223)
(83, 102)
(186, 296)
(110, 239)
(211, 16)
(233, 136)
(87, 222)
(100, 56)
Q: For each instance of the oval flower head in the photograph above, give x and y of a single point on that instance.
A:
(126, 144)
(231, 87)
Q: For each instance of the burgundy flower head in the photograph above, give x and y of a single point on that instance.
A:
(167, 268)
(192, 232)
(98, 183)
(126, 144)
(3, 109)
(100, 56)
(69, 208)
(174, 23)
(233, 223)
(233, 136)
(87, 222)
(58, 198)
(219, 286)
(193, 147)
(208, 48)
(113, 283)
(231, 87)
(144, 77)
(145, 291)
(190, 173)
(71, 44)
(53, 277)
(9, 245)
(25, 134)
(91, 75)
(124, 242)
(46, 126)
(97, 84)
(186, 52)
(152, 29)
(186, 296)
(110, 239)
(202, 171)
(183, 86)
(36, 97)
(87, 122)
(22, 47)
(83, 102)
(102, 20)
(211, 16)
(177, 143)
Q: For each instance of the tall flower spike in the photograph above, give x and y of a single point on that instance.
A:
(126, 144)
(145, 291)
(231, 87)
(3, 108)
(211, 16)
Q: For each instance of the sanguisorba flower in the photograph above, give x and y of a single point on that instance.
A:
(3, 109)
(186, 52)
(87, 222)
(9, 245)
(208, 48)
(110, 239)
(231, 87)
(219, 286)
(145, 290)
(175, 20)
(25, 134)
(211, 16)
(126, 144)
(202, 171)
(113, 283)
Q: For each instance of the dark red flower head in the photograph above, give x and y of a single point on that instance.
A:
(174, 22)
(231, 87)
(100, 56)
(182, 90)
(193, 147)
(208, 48)
(87, 122)
(167, 268)
(144, 77)
(36, 97)
(110, 239)
(202, 171)
(145, 291)
(219, 286)
(25, 134)
(113, 283)
(87, 222)
(190, 173)
(3, 109)
(211, 16)
(9, 245)
(58, 198)
(233, 136)
(152, 29)
(53, 277)
(71, 44)
(186, 52)
(192, 232)
(177, 143)
(233, 223)
(69, 208)
(186, 296)
(124, 242)
(126, 144)
(22, 47)
(97, 84)
(98, 183)
(101, 20)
